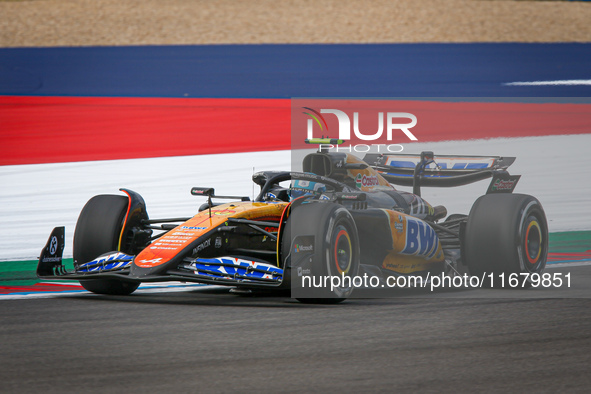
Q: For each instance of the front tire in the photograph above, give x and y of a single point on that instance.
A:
(98, 231)
(332, 232)
(506, 234)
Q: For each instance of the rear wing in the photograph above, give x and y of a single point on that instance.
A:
(432, 170)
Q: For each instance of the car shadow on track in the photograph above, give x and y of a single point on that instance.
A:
(222, 296)
(218, 297)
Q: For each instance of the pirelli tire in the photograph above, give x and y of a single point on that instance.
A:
(98, 230)
(506, 234)
(335, 250)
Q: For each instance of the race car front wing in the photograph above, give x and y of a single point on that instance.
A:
(224, 270)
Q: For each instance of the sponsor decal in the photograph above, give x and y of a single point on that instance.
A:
(421, 239)
(51, 259)
(405, 267)
(441, 164)
(192, 228)
(108, 262)
(181, 234)
(363, 180)
(398, 225)
(53, 245)
(301, 189)
(503, 184)
(302, 271)
(420, 208)
(168, 240)
(151, 262)
(231, 267)
(303, 248)
(202, 246)
(353, 196)
(224, 212)
(202, 191)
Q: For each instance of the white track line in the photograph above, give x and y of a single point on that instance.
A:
(144, 289)
(566, 82)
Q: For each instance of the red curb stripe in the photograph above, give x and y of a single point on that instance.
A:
(66, 129)
(39, 288)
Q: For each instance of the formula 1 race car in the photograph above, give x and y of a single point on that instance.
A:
(341, 216)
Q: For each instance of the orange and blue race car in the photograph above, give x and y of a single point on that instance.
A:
(340, 217)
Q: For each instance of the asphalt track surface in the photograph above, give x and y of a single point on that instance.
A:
(213, 341)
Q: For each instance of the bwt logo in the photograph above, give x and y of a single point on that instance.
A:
(345, 124)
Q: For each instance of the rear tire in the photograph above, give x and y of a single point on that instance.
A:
(98, 231)
(506, 234)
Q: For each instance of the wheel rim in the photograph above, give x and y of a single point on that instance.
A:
(533, 242)
(342, 250)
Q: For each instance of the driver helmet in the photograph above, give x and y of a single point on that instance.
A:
(299, 188)
(277, 193)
